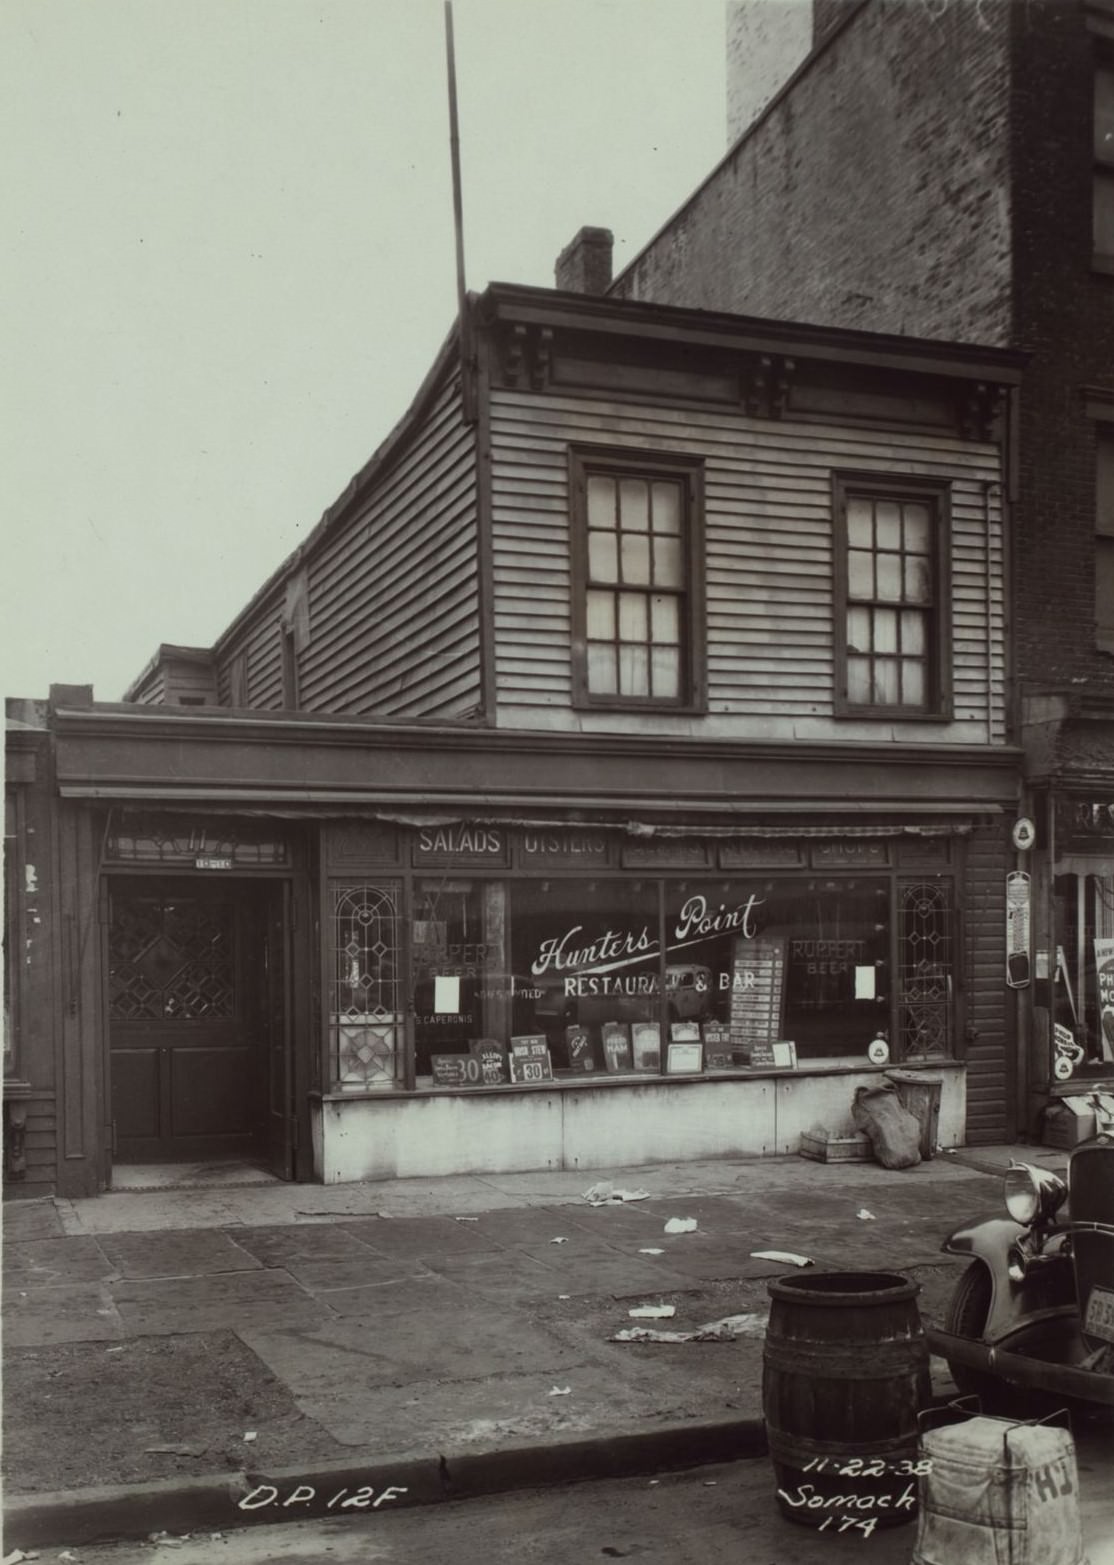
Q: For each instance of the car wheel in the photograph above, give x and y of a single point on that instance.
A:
(968, 1312)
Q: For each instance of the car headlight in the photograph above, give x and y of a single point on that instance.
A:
(1032, 1195)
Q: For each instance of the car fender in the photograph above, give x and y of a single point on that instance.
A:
(988, 1240)
(1013, 1305)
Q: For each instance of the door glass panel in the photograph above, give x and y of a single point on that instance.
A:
(171, 959)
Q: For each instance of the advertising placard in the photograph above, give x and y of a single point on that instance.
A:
(1104, 971)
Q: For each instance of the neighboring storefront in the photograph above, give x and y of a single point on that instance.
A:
(1069, 867)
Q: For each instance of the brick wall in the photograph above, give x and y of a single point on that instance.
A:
(859, 198)
(766, 41)
(1065, 318)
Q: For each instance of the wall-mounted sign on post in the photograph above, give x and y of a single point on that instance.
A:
(1024, 834)
(1018, 895)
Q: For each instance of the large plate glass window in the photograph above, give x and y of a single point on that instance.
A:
(804, 960)
(588, 955)
(892, 597)
(637, 593)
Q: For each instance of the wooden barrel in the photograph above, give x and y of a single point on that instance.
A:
(845, 1370)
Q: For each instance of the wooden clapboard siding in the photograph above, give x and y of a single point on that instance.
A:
(393, 590)
(768, 549)
(394, 595)
(40, 1148)
(152, 690)
(263, 647)
(990, 1113)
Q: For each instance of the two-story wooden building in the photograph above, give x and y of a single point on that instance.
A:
(638, 710)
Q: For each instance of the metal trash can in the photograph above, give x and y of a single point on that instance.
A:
(920, 1094)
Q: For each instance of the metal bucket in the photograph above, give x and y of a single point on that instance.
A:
(845, 1372)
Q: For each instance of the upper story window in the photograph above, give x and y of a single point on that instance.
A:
(637, 582)
(1104, 537)
(892, 596)
(1104, 164)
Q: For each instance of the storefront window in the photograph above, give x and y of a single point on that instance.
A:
(365, 1021)
(607, 975)
(1083, 991)
(589, 952)
(804, 961)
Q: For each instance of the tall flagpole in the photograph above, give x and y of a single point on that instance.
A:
(464, 322)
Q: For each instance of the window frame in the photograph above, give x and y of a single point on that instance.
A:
(936, 494)
(1102, 165)
(584, 462)
(1103, 526)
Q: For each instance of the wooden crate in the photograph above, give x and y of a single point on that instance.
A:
(836, 1149)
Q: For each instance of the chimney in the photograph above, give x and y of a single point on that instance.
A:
(584, 266)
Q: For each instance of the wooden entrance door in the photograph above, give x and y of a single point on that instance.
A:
(191, 966)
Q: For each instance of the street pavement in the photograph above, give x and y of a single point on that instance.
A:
(170, 1353)
(723, 1514)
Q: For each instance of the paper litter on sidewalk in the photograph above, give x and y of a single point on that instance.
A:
(465, 1219)
(604, 1194)
(651, 1252)
(561, 1391)
(681, 1225)
(864, 1216)
(787, 1257)
(653, 1312)
(725, 1330)
(558, 1241)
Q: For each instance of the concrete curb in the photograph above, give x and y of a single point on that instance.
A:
(190, 1505)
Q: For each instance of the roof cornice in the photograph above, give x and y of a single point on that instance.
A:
(674, 325)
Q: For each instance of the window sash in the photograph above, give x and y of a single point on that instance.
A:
(637, 584)
(892, 585)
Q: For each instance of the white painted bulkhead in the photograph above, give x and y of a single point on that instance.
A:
(610, 1124)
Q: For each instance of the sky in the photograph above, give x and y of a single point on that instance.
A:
(228, 262)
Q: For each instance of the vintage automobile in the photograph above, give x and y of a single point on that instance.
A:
(1032, 1317)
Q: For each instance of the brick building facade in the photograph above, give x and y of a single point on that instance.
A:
(947, 170)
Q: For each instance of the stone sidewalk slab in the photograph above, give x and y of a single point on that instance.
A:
(420, 1237)
(182, 1254)
(79, 1312)
(41, 1263)
(160, 1306)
